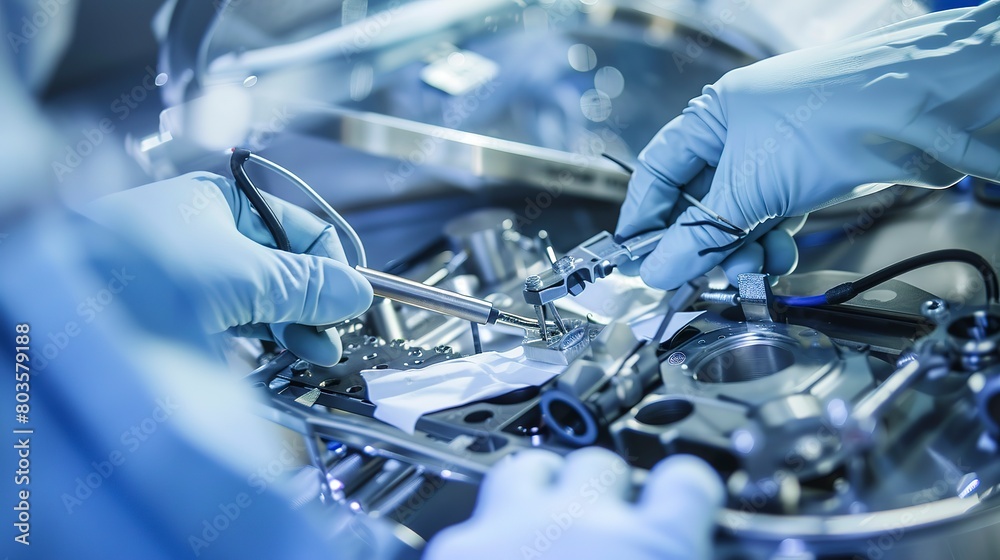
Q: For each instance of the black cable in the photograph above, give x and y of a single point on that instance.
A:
(739, 233)
(628, 168)
(934, 257)
(240, 156)
(848, 290)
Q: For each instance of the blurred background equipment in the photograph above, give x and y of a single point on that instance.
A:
(464, 143)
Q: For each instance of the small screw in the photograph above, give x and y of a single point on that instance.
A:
(934, 308)
(533, 282)
(563, 265)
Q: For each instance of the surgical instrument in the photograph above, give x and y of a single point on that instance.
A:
(595, 258)
(730, 228)
(442, 301)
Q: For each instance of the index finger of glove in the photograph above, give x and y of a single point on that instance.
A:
(678, 152)
(306, 232)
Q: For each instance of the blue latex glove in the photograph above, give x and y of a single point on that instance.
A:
(538, 505)
(913, 103)
(202, 229)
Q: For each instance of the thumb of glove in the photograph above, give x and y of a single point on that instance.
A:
(310, 291)
(316, 347)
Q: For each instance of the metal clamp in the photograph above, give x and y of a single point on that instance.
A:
(595, 258)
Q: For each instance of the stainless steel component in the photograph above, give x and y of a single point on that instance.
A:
(482, 234)
(448, 269)
(349, 483)
(595, 258)
(309, 398)
(304, 487)
(986, 387)
(387, 321)
(935, 309)
(780, 405)
(512, 320)
(390, 501)
(731, 393)
(429, 297)
(533, 282)
(975, 339)
(777, 407)
(720, 296)
(540, 313)
(755, 392)
(599, 385)
(874, 405)
(388, 477)
(547, 249)
(439, 300)
(482, 156)
(551, 311)
(755, 297)
(561, 348)
(343, 470)
(683, 298)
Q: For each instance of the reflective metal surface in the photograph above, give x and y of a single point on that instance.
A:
(867, 429)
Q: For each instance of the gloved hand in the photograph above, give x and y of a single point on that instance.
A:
(913, 103)
(538, 505)
(202, 228)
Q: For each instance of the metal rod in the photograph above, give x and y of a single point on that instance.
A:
(871, 408)
(265, 373)
(550, 309)
(519, 321)
(697, 203)
(477, 343)
(540, 311)
(442, 301)
(430, 298)
(547, 249)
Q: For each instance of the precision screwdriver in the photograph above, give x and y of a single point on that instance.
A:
(441, 301)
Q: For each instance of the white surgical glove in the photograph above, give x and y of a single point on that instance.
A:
(202, 229)
(915, 103)
(539, 505)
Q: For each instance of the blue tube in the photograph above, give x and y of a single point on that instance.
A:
(801, 301)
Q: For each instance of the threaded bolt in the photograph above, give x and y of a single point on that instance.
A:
(719, 296)
(563, 265)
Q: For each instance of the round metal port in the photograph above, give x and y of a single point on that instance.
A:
(745, 363)
(667, 411)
